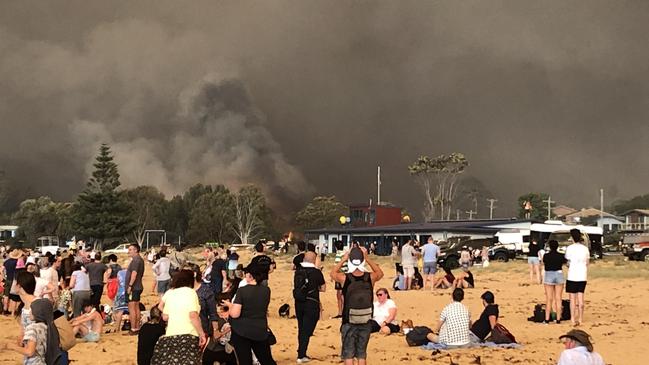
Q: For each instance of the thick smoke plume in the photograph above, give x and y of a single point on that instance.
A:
(540, 96)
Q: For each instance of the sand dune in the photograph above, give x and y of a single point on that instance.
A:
(615, 317)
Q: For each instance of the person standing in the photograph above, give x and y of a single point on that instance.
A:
(340, 252)
(80, 288)
(430, 252)
(533, 261)
(161, 270)
(358, 296)
(219, 272)
(262, 261)
(408, 262)
(308, 282)
(249, 322)
(578, 257)
(553, 281)
(134, 289)
(96, 270)
(8, 300)
(301, 249)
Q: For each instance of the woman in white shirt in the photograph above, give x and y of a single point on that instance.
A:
(80, 288)
(385, 314)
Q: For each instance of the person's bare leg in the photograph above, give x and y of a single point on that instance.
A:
(573, 307)
(339, 298)
(136, 314)
(118, 321)
(5, 304)
(362, 361)
(580, 301)
(558, 291)
(549, 297)
(407, 279)
(537, 272)
(349, 361)
(531, 272)
(131, 315)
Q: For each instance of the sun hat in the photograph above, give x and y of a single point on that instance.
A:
(580, 336)
(15, 253)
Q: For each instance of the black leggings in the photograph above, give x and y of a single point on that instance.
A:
(218, 357)
(243, 347)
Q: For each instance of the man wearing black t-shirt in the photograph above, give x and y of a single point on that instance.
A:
(488, 319)
(307, 311)
(265, 263)
(297, 260)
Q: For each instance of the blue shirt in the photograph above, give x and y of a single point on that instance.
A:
(430, 251)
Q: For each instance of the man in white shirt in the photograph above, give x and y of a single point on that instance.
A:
(408, 261)
(578, 256)
(578, 350)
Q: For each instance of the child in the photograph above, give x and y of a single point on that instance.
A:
(65, 297)
(35, 338)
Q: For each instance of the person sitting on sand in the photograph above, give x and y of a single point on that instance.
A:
(578, 350)
(488, 319)
(465, 279)
(90, 324)
(452, 329)
(445, 281)
(384, 319)
(148, 336)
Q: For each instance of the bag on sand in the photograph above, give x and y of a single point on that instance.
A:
(565, 310)
(500, 334)
(539, 314)
(66, 335)
(417, 336)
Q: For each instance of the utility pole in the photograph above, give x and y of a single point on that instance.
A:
(378, 186)
(549, 201)
(470, 213)
(457, 215)
(491, 207)
(601, 208)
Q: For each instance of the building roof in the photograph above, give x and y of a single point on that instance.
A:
(590, 212)
(469, 226)
(563, 210)
(641, 211)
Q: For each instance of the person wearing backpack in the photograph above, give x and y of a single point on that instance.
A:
(358, 304)
(308, 283)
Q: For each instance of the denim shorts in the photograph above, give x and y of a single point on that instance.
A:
(355, 338)
(163, 286)
(533, 260)
(553, 278)
(430, 268)
(91, 337)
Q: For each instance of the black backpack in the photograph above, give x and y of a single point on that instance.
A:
(302, 288)
(359, 299)
(417, 336)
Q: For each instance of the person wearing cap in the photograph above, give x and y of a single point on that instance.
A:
(488, 319)
(265, 263)
(355, 336)
(249, 321)
(578, 350)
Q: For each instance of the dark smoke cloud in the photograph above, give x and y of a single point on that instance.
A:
(545, 96)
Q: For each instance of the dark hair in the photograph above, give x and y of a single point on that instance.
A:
(97, 256)
(135, 246)
(27, 281)
(554, 245)
(488, 297)
(301, 245)
(310, 247)
(162, 253)
(183, 278)
(458, 294)
(86, 303)
(447, 269)
(76, 266)
(384, 290)
(259, 247)
(112, 257)
(339, 245)
(155, 314)
(575, 234)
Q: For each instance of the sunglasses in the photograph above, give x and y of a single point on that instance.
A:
(380, 294)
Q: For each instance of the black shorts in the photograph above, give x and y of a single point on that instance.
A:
(376, 327)
(134, 296)
(575, 286)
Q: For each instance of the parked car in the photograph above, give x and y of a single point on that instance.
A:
(121, 249)
(636, 247)
(450, 251)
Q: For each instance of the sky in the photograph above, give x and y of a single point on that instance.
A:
(307, 98)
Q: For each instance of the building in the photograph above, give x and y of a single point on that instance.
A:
(363, 215)
(607, 221)
(7, 232)
(636, 220)
(561, 211)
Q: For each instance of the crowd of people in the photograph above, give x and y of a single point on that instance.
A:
(217, 312)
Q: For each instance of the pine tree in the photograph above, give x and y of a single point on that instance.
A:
(101, 211)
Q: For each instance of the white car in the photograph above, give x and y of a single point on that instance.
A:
(123, 248)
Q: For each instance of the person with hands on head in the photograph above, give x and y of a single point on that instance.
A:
(184, 339)
(358, 303)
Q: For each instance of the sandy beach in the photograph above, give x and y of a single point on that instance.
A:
(615, 317)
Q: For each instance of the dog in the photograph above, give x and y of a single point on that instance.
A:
(406, 326)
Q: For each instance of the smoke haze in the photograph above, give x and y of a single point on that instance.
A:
(308, 98)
